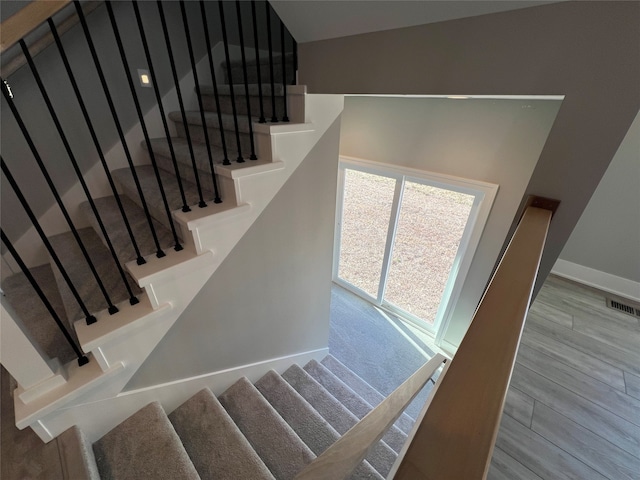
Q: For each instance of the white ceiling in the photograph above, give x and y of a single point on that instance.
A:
(310, 20)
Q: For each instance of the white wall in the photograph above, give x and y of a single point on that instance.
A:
(607, 236)
(497, 141)
(271, 295)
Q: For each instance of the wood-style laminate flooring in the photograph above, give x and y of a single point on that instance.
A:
(573, 405)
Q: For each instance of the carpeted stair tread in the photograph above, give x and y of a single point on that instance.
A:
(215, 444)
(180, 145)
(240, 100)
(144, 446)
(362, 388)
(114, 225)
(394, 437)
(308, 424)
(381, 456)
(231, 136)
(149, 184)
(76, 456)
(211, 119)
(78, 270)
(284, 453)
(34, 314)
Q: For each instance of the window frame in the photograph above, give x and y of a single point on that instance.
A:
(484, 194)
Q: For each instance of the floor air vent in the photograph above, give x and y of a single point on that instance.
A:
(628, 307)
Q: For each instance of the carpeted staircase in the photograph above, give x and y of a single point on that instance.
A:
(19, 292)
(268, 430)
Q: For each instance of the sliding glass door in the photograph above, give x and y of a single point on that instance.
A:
(401, 237)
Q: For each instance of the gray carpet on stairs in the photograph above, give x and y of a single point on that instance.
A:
(308, 424)
(152, 195)
(215, 444)
(182, 152)
(394, 437)
(34, 314)
(81, 276)
(381, 456)
(145, 446)
(270, 430)
(271, 437)
(226, 104)
(114, 225)
(196, 130)
(362, 388)
(374, 345)
(76, 456)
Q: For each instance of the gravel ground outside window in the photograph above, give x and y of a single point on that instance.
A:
(430, 227)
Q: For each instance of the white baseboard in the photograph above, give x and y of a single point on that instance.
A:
(97, 418)
(606, 282)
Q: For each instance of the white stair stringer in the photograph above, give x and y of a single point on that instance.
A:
(257, 185)
(121, 343)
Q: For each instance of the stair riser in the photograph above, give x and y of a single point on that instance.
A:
(225, 185)
(226, 105)
(156, 211)
(197, 135)
(83, 280)
(117, 232)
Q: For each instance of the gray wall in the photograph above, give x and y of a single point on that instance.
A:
(312, 21)
(607, 236)
(587, 51)
(271, 295)
(496, 141)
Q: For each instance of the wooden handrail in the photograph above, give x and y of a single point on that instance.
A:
(456, 436)
(46, 39)
(26, 20)
(339, 460)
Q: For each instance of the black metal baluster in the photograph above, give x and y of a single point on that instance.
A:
(140, 259)
(114, 114)
(176, 81)
(246, 82)
(156, 90)
(200, 105)
(233, 97)
(134, 95)
(112, 308)
(82, 359)
(285, 118)
(294, 80)
(214, 81)
(89, 318)
(274, 117)
(256, 45)
(132, 298)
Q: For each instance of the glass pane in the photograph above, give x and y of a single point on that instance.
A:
(365, 221)
(429, 230)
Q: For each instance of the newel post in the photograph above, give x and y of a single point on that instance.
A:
(35, 373)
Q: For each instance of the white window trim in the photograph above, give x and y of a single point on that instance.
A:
(484, 194)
